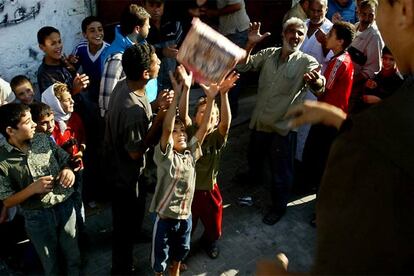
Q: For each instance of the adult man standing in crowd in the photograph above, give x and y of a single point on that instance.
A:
(365, 206)
(342, 10)
(318, 26)
(130, 131)
(281, 84)
(314, 45)
(299, 10)
(133, 29)
(165, 35)
(365, 51)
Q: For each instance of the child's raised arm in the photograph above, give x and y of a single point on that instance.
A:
(225, 112)
(185, 80)
(168, 124)
(211, 92)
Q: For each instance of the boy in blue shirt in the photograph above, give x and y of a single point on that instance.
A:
(88, 54)
(55, 67)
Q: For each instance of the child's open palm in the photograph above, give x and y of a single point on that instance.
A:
(211, 90)
(229, 82)
(185, 78)
(176, 84)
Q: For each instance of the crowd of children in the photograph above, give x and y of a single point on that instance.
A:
(118, 102)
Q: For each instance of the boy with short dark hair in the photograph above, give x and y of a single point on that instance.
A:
(88, 54)
(175, 158)
(385, 82)
(34, 174)
(130, 130)
(23, 89)
(44, 118)
(133, 29)
(339, 77)
(55, 67)
(208, 204)
(165, 35)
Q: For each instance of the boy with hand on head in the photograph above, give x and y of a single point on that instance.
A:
(35, 174)
(207, 203)
(23, 89)
(55, 67)
(175, 158)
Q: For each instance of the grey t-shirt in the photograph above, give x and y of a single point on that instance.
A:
(234, 22)
(128, 120)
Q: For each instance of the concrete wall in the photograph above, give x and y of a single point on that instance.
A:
(21, 19)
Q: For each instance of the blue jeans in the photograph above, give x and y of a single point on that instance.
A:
(53, 230)
(170, 240)
(271, 158)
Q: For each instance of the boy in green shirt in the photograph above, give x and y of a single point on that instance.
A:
(207, 204)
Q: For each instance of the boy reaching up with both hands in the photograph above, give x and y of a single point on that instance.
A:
(208, 204)
(175, 157)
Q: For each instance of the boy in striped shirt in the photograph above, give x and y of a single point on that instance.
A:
(175, 158)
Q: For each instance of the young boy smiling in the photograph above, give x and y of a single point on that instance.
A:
(175, 158)
(88, 54)
(23, 89)
(35, 175)
(55, 67)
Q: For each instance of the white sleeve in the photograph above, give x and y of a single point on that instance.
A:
(6, 93)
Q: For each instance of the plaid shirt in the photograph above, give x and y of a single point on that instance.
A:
(111, 75)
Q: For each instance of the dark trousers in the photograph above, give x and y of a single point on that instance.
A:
(271, 158)
(315, 153)
(127, 215)
(355, 103)
(171, 240)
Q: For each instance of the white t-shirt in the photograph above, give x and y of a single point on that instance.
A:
(313, 47)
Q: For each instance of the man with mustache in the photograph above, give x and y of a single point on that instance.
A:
(281, 84)
(365, 52)
(365, 205)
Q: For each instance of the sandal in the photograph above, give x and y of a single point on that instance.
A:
(213, 250)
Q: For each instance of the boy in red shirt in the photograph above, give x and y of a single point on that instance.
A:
(339, 76)
(385, 82)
